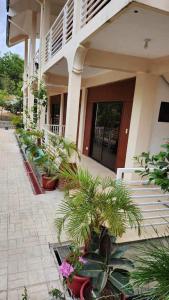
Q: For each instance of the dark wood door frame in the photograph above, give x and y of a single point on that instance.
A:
(118, 91)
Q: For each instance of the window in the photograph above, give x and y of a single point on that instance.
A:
(164, 112)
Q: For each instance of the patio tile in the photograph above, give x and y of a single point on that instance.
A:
(25, 228)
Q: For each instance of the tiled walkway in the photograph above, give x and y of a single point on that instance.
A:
(26, 228)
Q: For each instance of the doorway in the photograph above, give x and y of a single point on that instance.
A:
(105, 136)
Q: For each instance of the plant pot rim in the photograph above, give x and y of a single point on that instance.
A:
(47, 177)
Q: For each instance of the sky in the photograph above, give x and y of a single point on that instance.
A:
(19, 49)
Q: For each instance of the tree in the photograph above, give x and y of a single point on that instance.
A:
(3, 97)
(11, 72)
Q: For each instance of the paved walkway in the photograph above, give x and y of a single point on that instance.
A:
(26, 228)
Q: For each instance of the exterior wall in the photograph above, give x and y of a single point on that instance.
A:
(160, 130)
(142, 116)
(118, 91)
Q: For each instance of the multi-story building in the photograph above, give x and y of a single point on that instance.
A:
(106, 67)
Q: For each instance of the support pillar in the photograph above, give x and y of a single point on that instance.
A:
(32, 51)
(61, 115)
(25, 79)
(82, 119)
(142, 116)
(73, 99)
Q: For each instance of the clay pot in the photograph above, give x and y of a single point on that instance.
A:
(76, 284)
(85, 291)
(48, 184)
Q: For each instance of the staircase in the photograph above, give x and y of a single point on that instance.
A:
(153, 203)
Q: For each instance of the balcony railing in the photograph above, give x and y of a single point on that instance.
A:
(56, 129)
(60, 32)
(62, 29)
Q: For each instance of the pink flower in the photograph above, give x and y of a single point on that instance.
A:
(82, 260)
(66, 269)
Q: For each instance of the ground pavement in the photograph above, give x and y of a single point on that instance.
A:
(26, 228)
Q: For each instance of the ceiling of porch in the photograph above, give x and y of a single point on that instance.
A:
(126, 34)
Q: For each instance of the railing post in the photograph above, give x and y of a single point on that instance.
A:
(77, 16)
(64, 25)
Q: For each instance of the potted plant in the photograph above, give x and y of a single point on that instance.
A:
(70, 268)
(106, 267)
(66, 153)
(49, 171)
(91, 203)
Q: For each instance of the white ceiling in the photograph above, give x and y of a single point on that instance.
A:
(62, 70)
(126, 34)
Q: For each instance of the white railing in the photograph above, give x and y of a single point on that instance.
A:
(62, 29)
(153, 203)
(60, 32)
(90, 8)
(56, 129)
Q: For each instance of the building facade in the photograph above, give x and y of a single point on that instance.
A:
(106, 67)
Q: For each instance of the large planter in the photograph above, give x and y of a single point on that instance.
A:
(76, 284)
(48, 183)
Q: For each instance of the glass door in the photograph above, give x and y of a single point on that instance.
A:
(105, 132)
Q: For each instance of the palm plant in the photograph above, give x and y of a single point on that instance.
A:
(91, 202)
(153, 270)
(64, 149)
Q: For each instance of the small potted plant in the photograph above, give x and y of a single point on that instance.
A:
(70, 268)
(107, 269)
(49, 171)
(91, 203)
(67, 154)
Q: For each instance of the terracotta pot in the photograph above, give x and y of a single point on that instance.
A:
(85, 291)
(76, 284)
(48, 184)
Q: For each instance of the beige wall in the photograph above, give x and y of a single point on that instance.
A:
(160, 130)
(142, 116)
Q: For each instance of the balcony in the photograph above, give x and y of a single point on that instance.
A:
(75, 15)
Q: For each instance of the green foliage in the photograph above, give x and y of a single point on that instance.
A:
(11, 72)
(17, 121)
(160, 164)
(64, 149)
(57, 294)
(91, 202)
(47, 164)
(104, 262)
(153, 270)
(29, 138)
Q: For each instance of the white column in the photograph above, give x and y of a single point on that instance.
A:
(32, 51)
(82, 118)
(25, 78)
(142, 116)
(61, 114)
(73, 106)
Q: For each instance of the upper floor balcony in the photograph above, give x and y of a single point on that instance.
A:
(81, 19)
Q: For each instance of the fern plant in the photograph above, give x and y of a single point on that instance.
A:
(90, 203)
(153, 270)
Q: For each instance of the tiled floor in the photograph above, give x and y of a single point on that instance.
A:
(26, 228)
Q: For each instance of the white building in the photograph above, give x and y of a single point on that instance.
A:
(106, 66)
